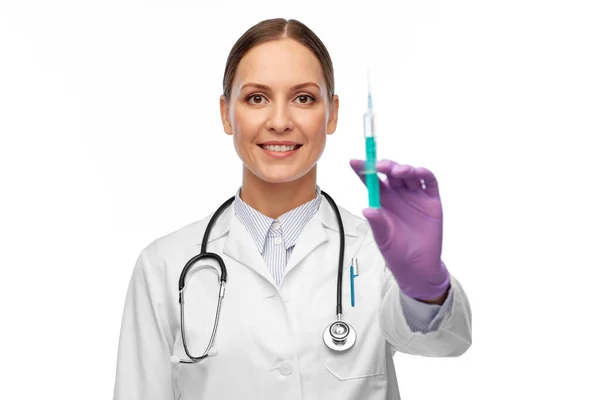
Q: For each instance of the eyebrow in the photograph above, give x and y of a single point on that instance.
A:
(295, 87)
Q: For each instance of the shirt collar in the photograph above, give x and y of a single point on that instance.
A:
(291, 223)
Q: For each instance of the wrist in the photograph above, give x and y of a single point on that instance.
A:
(439, 300)
(430, 290)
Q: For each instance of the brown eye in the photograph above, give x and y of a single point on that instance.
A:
(255, 98)
(304, 99)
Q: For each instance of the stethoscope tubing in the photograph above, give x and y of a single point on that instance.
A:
(223, 277)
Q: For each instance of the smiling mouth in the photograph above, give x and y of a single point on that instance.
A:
(280, 148)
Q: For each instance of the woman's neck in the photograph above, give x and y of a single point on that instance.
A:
(275, 199)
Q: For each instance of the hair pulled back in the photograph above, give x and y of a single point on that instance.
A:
(276, 29)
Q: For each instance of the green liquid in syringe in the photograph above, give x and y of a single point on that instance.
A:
(371, 173)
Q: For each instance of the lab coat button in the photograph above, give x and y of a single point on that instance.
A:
(286, 368)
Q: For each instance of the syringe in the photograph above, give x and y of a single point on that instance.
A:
(371, 149)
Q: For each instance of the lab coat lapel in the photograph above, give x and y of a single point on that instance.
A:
(315, 233)
(240, 246)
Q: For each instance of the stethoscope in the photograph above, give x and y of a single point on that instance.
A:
(338, 335)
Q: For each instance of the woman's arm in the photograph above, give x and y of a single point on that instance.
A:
(448, 333)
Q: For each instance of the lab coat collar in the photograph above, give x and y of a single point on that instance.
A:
(240, 246)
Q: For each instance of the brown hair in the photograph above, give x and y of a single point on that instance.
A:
(274, 29)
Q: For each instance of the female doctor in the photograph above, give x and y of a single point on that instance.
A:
(280, 241)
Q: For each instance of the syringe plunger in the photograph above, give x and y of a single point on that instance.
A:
(369, 121)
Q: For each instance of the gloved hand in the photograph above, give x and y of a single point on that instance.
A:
(408, 228)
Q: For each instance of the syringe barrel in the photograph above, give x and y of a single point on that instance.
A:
(372, 180)
(369, 124)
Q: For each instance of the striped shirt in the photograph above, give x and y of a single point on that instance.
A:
(276, 238)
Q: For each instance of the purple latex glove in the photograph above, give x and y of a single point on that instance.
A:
(408, 228)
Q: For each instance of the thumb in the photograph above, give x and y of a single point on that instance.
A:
(381, 224)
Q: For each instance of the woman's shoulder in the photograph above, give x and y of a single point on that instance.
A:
(187, 237)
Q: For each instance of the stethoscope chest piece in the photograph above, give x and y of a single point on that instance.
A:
(339, 336)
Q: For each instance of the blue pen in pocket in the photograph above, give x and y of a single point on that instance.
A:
(353, 274)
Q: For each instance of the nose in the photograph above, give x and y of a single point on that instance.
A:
(280, 119)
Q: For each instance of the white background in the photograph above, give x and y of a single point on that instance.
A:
(111, 138)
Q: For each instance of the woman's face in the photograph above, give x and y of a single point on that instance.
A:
(278, 111)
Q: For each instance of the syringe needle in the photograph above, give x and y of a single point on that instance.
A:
(370, 101)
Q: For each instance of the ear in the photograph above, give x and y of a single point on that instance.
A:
(334, 106)
(224, 105)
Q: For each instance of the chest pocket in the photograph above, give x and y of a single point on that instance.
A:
(363, 360)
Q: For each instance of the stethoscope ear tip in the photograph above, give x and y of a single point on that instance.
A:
(213, 352)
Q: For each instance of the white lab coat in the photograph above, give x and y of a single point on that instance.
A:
(269, 340)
